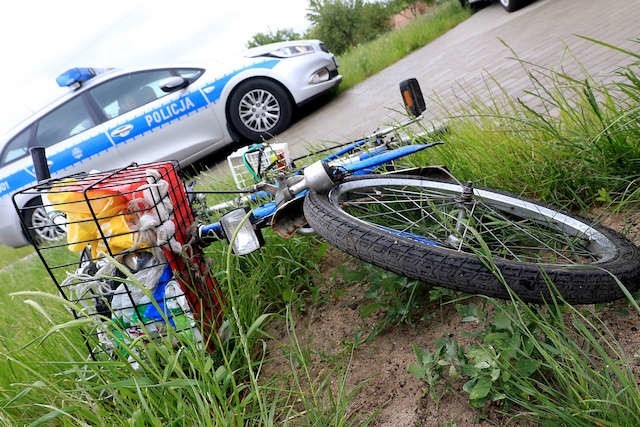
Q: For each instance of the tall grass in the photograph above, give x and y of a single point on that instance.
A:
(573, 142)
(365, 60)
(569, 140)
(46, 376)
(583, 376)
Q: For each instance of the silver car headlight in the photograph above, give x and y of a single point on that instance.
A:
(291, 51)
(322, 75)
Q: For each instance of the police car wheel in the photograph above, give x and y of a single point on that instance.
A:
(260, 109)
(39, 227)
(512, 5)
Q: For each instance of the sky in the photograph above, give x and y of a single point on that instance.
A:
(43, 38)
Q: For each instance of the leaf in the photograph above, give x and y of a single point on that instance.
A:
(468, 386)
(604, 196)
(481, 389)
(367, 310)
(497, 339)
(353, 275)
(467, 310)
(53, 414)
(502, 322)
(416, 371)
(526, 367)
(495, 374)
(453, 372)
(480, 355)
(257, 324)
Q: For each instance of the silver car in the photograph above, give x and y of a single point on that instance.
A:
(111, 118)
(508, 5)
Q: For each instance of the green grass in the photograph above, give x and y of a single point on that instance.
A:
(45, 375)
(555, 364)
(572, 140)
(552, 364)
(363, 61)
(10, 255)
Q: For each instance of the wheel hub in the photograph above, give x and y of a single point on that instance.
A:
(259, 110)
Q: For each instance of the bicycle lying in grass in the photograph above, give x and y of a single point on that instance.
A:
(425, 224)
(421, 222)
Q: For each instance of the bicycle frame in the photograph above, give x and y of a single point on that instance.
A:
(319, 176)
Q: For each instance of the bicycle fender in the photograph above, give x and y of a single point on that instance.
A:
(289, 218)
(438, 173)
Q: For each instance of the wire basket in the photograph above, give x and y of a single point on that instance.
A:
(126, 264)
(248, 163)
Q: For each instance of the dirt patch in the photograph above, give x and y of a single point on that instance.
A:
(332, 333)
(404, 17)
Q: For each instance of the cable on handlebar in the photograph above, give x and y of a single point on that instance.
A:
(222, 192)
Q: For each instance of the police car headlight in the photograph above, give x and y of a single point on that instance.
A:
(291, 51)
(322, 75)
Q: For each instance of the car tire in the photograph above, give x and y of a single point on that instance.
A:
(259, 109)
(38, 227)
(475, 6)
(513, 5)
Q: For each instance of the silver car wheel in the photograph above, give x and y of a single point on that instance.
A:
(43, 228)
(513, 5)
(259, 110)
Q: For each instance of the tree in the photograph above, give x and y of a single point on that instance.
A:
(341, 24)
(280, 35)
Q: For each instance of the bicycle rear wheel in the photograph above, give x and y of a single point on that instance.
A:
(465, 238)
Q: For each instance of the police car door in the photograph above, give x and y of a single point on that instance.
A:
(147, 124)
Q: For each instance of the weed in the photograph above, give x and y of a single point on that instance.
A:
(400, 299)
(554, 362)
(439, 368)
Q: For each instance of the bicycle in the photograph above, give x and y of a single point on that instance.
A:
(421, 223)
(449, 233)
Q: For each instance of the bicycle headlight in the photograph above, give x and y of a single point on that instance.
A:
(239, 230)
(292, 50)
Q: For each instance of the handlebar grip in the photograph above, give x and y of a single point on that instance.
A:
(40, 165)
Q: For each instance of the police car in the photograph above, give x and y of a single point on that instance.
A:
(508, 5)
(111, 118)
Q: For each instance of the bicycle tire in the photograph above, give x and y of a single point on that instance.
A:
(465, 269)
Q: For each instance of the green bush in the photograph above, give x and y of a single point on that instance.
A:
(281, 35)
(341, 24)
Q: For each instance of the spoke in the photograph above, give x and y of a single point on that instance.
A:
(434, 214)
(518, 227)
(405, 223)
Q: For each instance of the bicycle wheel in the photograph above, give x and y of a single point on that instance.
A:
(465, 238)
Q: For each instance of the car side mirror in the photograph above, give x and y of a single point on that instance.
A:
(173, 84)
(412, 97)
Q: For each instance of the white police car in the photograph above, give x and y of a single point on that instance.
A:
(111, 118)
(508, 5)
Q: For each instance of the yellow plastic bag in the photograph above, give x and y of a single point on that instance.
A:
(107, 221)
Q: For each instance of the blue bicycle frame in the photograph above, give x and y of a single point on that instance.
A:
(365, 163)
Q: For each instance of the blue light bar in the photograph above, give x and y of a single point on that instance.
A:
(75, 75)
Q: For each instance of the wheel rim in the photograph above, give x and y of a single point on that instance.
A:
(44, 229)
(259, 110)
(493, 224)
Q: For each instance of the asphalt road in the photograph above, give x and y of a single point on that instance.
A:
(461, 61)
